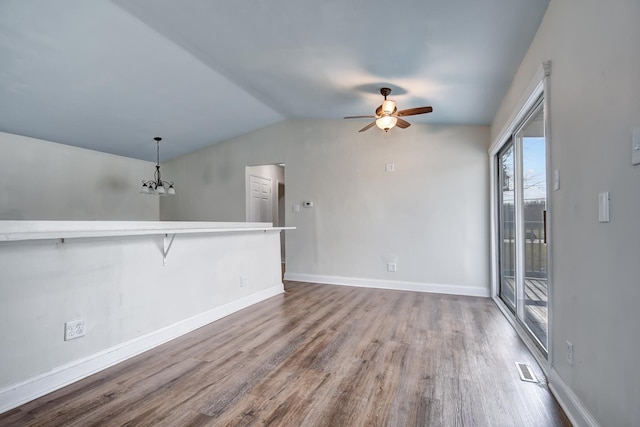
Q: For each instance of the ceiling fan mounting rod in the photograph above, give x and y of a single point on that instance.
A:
(385, 91)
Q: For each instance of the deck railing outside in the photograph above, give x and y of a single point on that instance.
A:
(535, 250)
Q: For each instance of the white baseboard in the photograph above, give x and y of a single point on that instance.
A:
(570, 403)
(389, 284)
(17, 394)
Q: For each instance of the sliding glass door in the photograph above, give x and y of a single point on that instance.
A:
(506, 232)
(522, 200)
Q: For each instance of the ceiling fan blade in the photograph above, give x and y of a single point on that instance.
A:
(402, 124)
(414, 111)
(369, 126)
(360, 117)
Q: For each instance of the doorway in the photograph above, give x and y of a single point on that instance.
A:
(522, 225)
(264, 196)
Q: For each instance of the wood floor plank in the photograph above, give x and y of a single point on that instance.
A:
(320, 355)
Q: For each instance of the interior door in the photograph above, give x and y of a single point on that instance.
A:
(261, 200)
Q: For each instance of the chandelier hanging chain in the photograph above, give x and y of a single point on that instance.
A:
(157, 174)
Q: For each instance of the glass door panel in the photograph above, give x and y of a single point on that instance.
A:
(506, 229)
(534, 299)
(522, 239)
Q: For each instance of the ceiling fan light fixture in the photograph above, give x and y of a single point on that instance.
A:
(387, 114)
(388, 106)
(386, 122)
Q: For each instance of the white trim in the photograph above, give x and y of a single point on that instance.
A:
(570, 403)
(390, 284)
(493, 226)
(17, 394)
(549, 231)
(518, 223)
(528, 99)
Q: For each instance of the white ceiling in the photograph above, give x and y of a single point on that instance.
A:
(111, 75)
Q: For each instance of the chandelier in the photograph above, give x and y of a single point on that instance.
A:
(157, 186)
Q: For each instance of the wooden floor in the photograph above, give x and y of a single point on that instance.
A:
(320, 355)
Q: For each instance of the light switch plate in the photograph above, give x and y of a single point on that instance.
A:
(603, 207)
(556, 179)
(635, 148)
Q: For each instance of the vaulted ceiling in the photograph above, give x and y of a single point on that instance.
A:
(111, 75)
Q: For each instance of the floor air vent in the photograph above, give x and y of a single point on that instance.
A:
(526, 373)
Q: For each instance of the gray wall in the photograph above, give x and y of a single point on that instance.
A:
(121, 289)
(430, 216)
(42, 180)
(595, 106)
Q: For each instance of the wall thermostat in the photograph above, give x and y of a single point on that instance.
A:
(307, 204)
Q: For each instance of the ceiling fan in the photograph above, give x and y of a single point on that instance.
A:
(388, 116)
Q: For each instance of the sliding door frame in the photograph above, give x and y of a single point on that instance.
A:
(539, 87)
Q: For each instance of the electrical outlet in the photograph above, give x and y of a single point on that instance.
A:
(391, 267)
(243, 281)
(73, 329)
(569, 353)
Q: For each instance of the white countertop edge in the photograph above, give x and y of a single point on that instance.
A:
(11, 231)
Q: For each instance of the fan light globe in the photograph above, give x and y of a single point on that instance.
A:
(386, 122)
